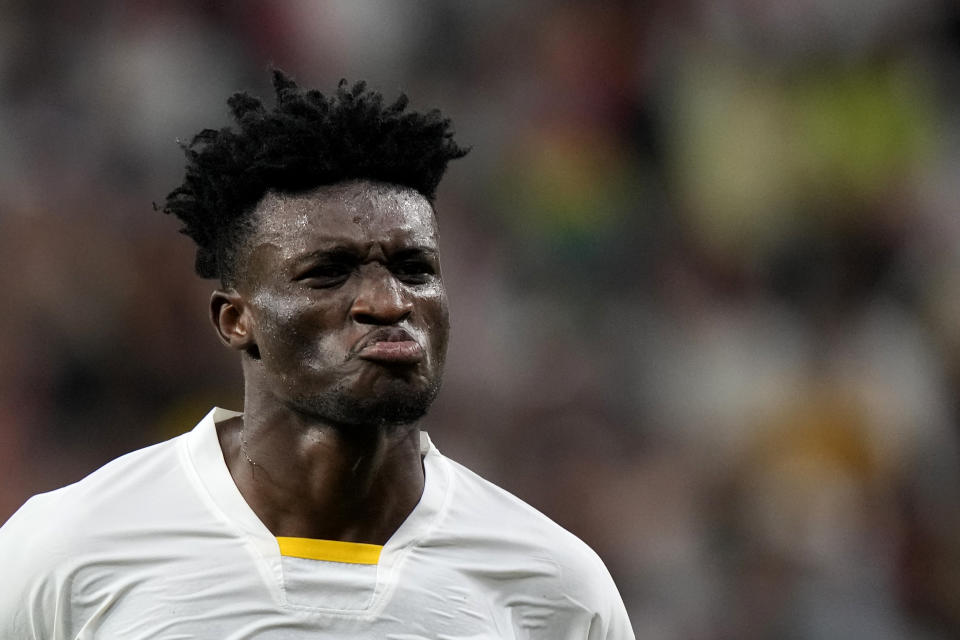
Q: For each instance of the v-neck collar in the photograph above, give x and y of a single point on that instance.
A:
(204, 460)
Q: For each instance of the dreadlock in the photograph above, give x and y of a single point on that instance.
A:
(307, 140)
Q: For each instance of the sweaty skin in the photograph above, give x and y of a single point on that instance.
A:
(341, 317)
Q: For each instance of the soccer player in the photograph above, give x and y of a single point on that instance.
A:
(321, 511)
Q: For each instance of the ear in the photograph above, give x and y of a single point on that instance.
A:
(231, 319)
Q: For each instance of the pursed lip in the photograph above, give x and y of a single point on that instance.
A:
(390, 346)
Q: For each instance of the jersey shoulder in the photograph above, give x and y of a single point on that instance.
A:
(491, 517)
(56, 521)
(55, 535)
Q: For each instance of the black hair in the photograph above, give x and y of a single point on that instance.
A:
(307, 140)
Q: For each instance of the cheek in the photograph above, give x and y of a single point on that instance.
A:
(289, 328)
(437, 317)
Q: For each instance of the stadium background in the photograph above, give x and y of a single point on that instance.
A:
(704, 265)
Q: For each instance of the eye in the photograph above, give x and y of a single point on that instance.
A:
(413, 271)
(326, 275)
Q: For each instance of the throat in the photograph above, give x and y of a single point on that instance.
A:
(313, 483)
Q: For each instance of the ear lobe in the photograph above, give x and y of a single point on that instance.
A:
(232, 320)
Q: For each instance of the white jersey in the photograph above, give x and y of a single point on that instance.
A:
(161, 544)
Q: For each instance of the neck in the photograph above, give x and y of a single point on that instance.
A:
(304, 477)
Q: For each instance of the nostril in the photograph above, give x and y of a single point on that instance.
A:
(364, 318)
(381, 316)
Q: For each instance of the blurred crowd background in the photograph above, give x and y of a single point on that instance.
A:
(703, 261)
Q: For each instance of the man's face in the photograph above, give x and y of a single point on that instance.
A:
(346, 301)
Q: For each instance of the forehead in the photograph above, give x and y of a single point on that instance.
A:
(357, 214)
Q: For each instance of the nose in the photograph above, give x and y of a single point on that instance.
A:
(381, 299)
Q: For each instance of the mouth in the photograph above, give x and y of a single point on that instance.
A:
(390, 346)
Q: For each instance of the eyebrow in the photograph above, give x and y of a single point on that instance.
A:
(412, 252)
(344, 252)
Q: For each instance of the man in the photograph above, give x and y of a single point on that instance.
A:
(321, 511)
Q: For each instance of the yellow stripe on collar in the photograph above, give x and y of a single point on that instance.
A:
(330, 550)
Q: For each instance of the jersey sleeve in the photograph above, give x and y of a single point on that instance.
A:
(28, 593)
(612, 621)
(587, 581)
(618, 625)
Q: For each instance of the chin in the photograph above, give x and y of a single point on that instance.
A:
(397, 406)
